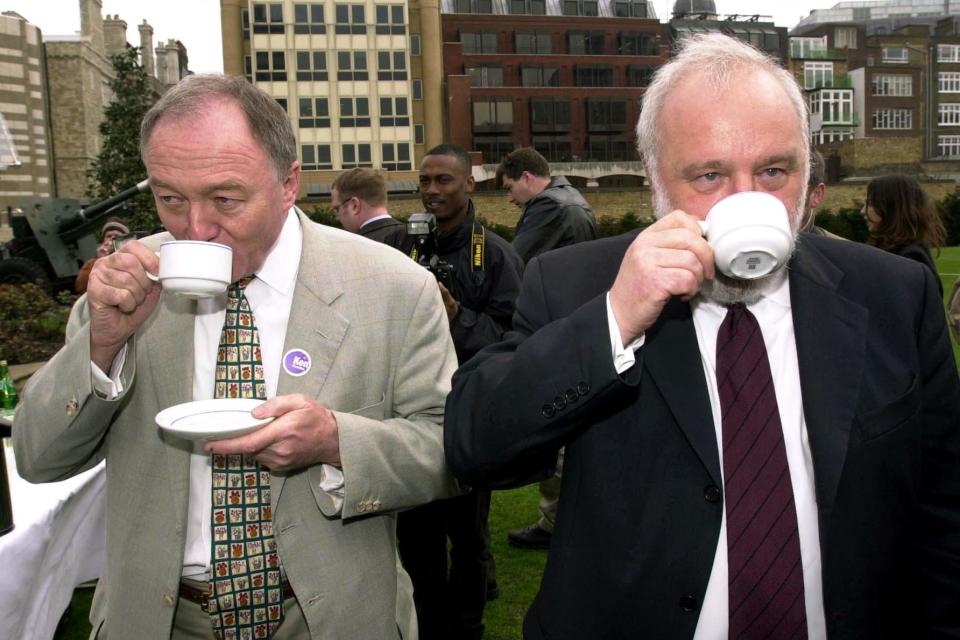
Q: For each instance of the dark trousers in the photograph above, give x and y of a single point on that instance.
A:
(450, 601)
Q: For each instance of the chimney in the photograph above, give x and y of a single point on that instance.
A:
(91, 23)
(146, 48)
(114, 35)
(168, 63)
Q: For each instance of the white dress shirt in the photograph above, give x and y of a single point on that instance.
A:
(773, 313)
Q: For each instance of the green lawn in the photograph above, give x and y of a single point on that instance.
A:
(518, 572)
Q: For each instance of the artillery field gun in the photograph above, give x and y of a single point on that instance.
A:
(53, 237)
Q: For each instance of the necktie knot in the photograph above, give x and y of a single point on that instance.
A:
(239, 286)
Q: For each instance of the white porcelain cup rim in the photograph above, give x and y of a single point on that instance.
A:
(156, 276)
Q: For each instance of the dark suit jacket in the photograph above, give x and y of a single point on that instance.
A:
(640, 507)
(380, 230)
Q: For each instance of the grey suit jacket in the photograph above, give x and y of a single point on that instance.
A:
(375, 326)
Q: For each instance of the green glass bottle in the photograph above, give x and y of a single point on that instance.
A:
(8, 392)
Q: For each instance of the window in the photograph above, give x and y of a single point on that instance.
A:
(638, 44)
(314, 113)
(282, 102)
(948, 53)
(580, 8)
(311, 65)
(248, 68)
(391, 65)
(308, 18)
(549, 114)
(245, 23)
(835, 106)
(493, 148)
(271, 65)
(554, 148)
(608, 149)
(844, 37)
(395, 157)
(630, 9)
(419, 135)
(527, 7)
(390, 19)
(394, 113)
(826, 136)
(350, 18)
(352, 65)
(539, 75)
(895, 55)
(417, 89)
(639, 75)
(415, 44)
(593, 75)
(892, 118)
(532, 42)
(949, 81)
(356, 155)
(817, 74)
(485, 75)
(354, 112)
(887, 84)
(267, 18)
(479, 41)
(585, 43)
(606, 115)
(492, 115)
(473, 6)
(315, 157)
(861, 13)
(948, 146)
(808, 47)
(949, 113)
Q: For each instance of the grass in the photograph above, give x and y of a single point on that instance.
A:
(518, 572)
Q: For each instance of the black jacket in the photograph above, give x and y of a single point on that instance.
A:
(556, 217)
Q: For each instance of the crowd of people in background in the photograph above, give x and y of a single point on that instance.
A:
(598, 366)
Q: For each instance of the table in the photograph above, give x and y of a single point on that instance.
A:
(58, 542)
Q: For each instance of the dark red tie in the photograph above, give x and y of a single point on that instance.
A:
(763, 544)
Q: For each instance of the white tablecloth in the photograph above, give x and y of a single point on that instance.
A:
(58, 542)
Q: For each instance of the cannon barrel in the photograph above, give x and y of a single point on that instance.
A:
(93, 212)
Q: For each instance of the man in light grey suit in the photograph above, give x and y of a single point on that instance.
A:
(357, 428)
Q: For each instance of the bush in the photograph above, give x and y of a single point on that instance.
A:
(32, 324)
(610, 226)
(322, 214)
(847, 223)
(950, 214)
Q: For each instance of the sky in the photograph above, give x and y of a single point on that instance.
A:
(196, 23)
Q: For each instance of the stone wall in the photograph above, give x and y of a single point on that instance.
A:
(878, 156)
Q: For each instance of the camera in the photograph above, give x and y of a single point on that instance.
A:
(422, 227)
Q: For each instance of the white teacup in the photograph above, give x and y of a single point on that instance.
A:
(750, 234)
(193, 268)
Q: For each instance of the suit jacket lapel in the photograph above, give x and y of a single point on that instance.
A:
(169, 355)
(831, 337)
(672, 355)
(314, 325)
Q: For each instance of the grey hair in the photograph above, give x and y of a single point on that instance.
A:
(719, 57)
(268, 122)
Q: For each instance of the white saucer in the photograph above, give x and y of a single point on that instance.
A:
(211, 419)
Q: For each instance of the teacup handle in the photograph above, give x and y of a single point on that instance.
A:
(155, 278)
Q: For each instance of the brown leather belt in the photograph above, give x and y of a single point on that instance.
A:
(201, 595)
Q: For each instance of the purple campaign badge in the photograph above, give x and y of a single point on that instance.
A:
(296, 362)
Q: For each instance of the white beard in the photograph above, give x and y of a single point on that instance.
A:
(723, 289)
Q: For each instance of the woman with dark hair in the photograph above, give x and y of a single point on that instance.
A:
(903, 219)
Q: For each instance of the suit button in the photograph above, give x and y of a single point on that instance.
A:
(583, 389)
(712, 494)
(572, 396)
(376, 505)
(169, 600)
(547, 411)
(72, 407)
(688, 604)
(559, 403)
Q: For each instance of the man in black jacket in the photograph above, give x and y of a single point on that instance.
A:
(479, 299)
(358, 198)
(554, 213)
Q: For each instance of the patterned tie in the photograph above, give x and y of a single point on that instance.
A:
(763, 545)
(246, 599)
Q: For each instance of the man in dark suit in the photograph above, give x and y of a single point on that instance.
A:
(772, 458)
(358, 198)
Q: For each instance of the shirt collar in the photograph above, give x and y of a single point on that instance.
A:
(382, 216)
(776, 293)
(279, 270)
